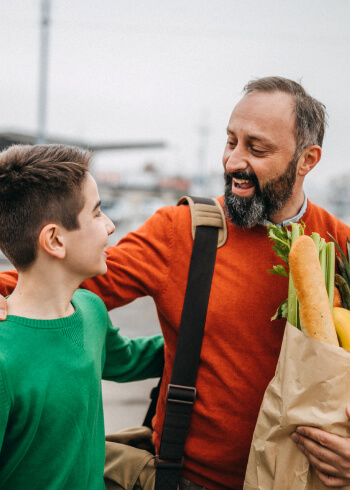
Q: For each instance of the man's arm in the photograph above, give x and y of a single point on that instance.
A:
(132, 359)
(328, 454)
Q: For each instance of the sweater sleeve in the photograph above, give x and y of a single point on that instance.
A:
(139, 264)
(132, 359)
(4, 404)
(8, 281)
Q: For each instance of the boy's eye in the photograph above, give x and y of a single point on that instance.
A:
(99, 213)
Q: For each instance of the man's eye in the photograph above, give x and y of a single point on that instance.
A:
(257, 152)
(232, 144)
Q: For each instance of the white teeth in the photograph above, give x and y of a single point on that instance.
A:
(241, 181)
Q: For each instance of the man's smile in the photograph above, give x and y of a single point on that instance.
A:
(244, 185)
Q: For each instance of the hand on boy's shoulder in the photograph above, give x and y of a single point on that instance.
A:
(3, 308)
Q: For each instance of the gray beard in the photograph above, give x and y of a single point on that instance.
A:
(248, 212)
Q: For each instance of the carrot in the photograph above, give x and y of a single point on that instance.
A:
(314, 308)
(337, 298)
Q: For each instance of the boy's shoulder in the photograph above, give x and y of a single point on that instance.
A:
(86, 300)
(84, 295)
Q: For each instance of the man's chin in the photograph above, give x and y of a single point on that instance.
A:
(245, 212)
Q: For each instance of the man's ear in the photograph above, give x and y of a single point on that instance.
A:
(309, 159)
(52, 242)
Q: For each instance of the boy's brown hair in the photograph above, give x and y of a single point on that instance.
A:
(39, 184)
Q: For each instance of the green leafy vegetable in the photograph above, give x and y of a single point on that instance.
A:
(342, 279)
(283, 239)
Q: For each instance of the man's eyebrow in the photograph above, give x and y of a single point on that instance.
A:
(260, 138)
(252, 137)
(97, 205)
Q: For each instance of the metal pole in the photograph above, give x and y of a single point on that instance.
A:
(43, 71)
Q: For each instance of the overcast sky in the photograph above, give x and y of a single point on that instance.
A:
(164, 70)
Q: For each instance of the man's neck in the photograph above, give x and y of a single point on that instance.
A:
(42, 296)
(290, 219)
(291, 209)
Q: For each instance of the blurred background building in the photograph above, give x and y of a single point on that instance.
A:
(149, 85)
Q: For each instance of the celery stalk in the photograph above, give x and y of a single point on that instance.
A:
(330, 253)
(323, 259)
(292, 297)
(316, 238)
(326, 254)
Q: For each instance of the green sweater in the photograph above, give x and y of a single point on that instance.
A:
(51, 414)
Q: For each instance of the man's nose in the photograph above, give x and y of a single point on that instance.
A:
(237, 159)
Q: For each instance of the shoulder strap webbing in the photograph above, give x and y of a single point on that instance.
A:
(181, 390)
(204, 213)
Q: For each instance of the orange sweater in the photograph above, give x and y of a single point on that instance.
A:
(240, 346)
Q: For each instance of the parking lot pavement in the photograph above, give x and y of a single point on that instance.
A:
(125, 404)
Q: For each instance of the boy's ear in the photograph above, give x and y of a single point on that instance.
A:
(51, 241)
(309, 159)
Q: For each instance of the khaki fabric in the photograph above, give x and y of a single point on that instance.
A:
(128, 467)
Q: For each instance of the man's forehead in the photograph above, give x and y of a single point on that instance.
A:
(264, 111)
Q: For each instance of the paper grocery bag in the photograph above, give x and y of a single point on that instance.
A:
(311, 386)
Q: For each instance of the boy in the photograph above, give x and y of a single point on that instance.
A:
(57, 342)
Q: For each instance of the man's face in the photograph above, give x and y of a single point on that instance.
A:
(260, 158)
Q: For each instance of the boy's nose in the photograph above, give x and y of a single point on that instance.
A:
(110, 227)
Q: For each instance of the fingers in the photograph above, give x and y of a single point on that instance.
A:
(326, 472)
(331, 481)
(327, 453)
(347, 411)
(317, 453)
(339, 445)
(3, 308)
(322, 466)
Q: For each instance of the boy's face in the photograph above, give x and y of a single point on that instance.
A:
(85, 246)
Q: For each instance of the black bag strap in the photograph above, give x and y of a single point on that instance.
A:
(151, 411)
(181, 389)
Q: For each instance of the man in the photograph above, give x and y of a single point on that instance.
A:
(274, 140)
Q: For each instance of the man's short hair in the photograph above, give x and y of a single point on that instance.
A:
(310, 114)
(39, 184)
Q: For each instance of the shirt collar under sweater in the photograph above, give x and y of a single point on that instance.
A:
(287, 222)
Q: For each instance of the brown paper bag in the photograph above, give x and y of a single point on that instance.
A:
(311, 387)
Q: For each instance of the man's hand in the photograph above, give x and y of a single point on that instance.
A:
(3, 308)
(328, 454)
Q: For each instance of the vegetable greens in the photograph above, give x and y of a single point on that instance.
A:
(283, 238)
